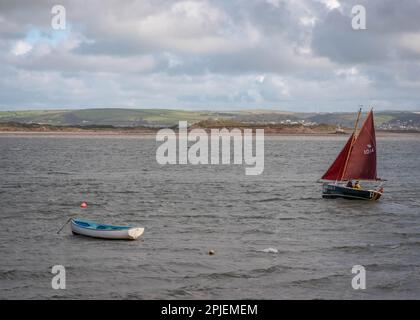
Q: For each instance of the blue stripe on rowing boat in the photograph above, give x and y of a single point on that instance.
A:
(97, 226)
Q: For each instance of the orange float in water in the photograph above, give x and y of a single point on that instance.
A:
(83, 205)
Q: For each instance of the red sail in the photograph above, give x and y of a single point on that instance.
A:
(336, 170)
(362, 161)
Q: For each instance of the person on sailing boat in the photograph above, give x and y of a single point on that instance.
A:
(357, 185)
(349, 184)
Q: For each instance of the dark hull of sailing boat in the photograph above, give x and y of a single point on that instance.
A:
(333, 191)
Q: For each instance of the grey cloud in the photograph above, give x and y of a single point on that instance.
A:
(387, 22)
(200, 54)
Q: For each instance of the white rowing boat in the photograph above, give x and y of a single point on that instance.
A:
(104, 231)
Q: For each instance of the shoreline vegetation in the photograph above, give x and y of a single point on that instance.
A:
(144, 122)
(207, 125)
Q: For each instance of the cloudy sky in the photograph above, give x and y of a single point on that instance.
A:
(297, 55)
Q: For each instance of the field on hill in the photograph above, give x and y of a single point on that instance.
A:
(115, 117)
(168, 117)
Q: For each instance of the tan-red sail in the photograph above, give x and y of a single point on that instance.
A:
(362, 161)
(335, 172)
(357, 160)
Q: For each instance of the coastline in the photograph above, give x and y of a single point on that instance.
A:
(270, 130)
(152, 133)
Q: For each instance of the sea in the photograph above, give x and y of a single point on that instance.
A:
(273, 235)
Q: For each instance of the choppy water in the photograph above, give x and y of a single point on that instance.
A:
(273, 234)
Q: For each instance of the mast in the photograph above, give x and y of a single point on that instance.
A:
(352, 143)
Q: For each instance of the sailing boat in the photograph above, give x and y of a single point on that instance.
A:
(357, 161)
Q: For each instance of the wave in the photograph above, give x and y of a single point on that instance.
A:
(270, 250)
(59, 172)
(369, 247)
(354, 249)
(15, 274)
(271, 199)
(247, 274)
(316, 282)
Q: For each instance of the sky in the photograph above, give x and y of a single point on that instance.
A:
(295, 55)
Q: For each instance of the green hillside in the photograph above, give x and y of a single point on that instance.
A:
(169, 117)
(348, 119)
(116, 117)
